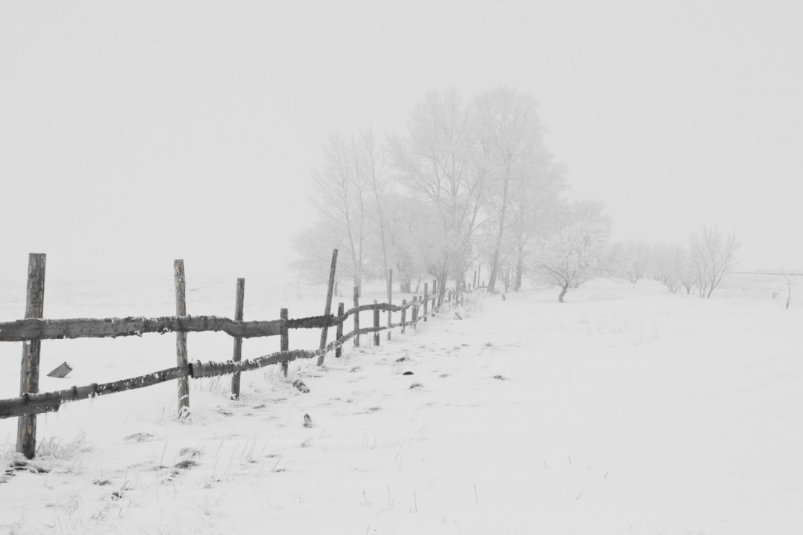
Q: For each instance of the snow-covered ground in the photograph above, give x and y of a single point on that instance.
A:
(625, 410)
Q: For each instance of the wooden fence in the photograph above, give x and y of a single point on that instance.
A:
(33, 329)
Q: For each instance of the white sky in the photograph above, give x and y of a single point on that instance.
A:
(132, 134)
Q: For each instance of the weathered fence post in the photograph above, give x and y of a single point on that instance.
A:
(356, 316)
(29, 372)
(434, 296)
(404, 316)
(474, 283)
(181, 340)
(284, 338)
(341, 308)
(328, 308)
(238, 341)
(415, 311)
(390, 301)
(376, 325)
(426, 287)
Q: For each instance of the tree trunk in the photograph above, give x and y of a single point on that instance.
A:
(519, 273)
(563, 290)
(500, 233)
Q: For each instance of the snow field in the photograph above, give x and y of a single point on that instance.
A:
(626, 410)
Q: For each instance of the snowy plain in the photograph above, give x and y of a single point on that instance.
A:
(625, 410)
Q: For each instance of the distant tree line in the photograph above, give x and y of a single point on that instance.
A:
(696, 267)
(468, 183)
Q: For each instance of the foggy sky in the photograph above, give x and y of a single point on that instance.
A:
(132, 134)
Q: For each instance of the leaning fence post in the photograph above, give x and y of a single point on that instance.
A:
(238, 341)
(181, 340)
(328, 308)
(426, 287)
(376, 324)
(29, 372)
(390, 301)
(356, 317)
(284, 338)
(404, 316)
(341, 308)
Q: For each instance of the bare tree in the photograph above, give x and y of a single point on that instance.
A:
(712, 255)
(340, 196)
(368, 161)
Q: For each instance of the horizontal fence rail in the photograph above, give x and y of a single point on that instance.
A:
(44, 329)
(112, 327)
(35, 328)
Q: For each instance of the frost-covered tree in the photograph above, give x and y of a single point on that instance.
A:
(573, 254)
(511, 139)
(536, 210)
(712, 255)
(670, 264)
(438, 162)
(416, 244)
(341, 196)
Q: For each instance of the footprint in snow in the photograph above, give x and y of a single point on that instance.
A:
(186, 463)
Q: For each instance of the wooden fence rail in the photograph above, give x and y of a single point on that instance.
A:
(44, 329)
(51, 401)
(33, 329)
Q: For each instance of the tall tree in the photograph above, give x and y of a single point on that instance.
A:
(438, 161)
(511, 138)
(340, 195)
(372, 169)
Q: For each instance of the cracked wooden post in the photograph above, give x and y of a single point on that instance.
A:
(390, 301)
(284, 338)
(426, 287)
(404, 316)
(181, 340)
(238, 341)
(376, 325)
(341, 308)
(328, 308)
(356, 316)
(415, 311)
(29, 372)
